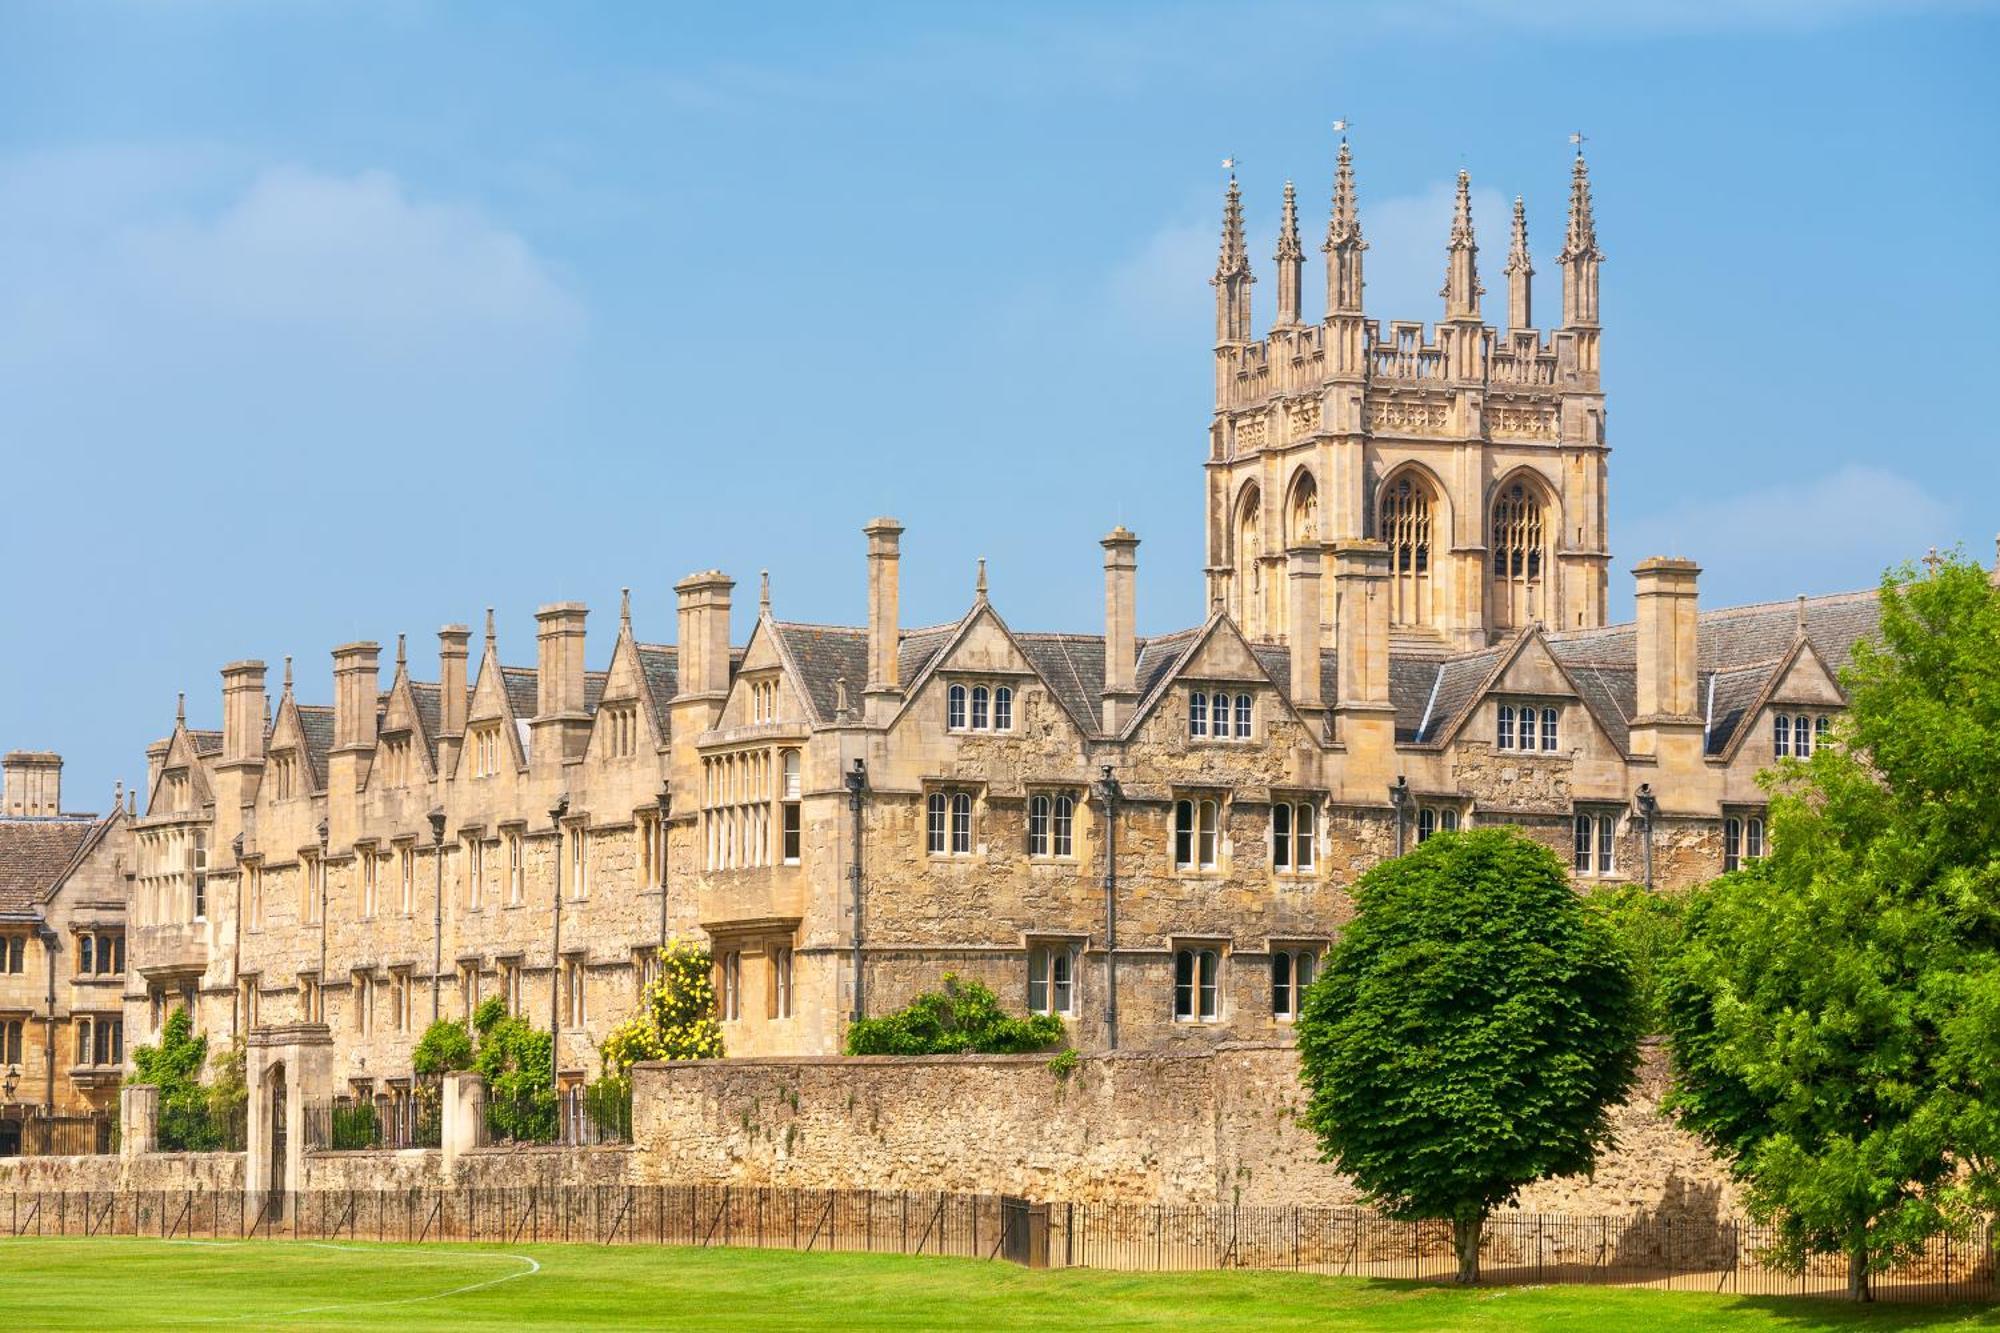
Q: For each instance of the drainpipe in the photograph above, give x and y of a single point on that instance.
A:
(857, 782)
(48, 939)
(1648, 806)
(319, 996)
(437, 906)
(1109, 792)
(556, 813)
(666, 805)
(1399, 798)
(239, 1024)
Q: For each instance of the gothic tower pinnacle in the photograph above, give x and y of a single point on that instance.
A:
(1232, 272)
(1520, 271)
(1343, 241)
(1580, 255)
(1291, 259)
(1461, 279)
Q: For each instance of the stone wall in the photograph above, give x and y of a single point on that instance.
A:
(145, 1171)
(1192, 1127)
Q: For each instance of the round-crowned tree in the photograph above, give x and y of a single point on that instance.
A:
(1469, 1033)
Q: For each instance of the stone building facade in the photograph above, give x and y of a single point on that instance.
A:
(64, 882)
(1154, 836)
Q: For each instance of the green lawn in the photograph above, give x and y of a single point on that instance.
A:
(116, 1283)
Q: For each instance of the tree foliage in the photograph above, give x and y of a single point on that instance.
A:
(962, 1018)
(193, 1116)
(1647, 924)
(1469, 1033)
(445, 1048)
(1835, 1008)
(676, 1017)
(515, 1060)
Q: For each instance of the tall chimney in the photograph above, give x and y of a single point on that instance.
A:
(1668, 657)
(1304, 629)
(452, 702)
(884, 555)
(704, 635)
(1365, 720)
(31, 784)
(559, 681)
(1121, 637)
(356, 683)
(243, 712)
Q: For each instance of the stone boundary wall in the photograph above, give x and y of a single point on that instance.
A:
(171, 1171)
(1137, 1127)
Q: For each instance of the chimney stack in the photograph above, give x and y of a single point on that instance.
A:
(356, 684)
(1304, 629)
(884, 556)
(559, 703)
(1121, 638)
(453, 700)
(1668, 657)
(32, 784)
(704, 635)
(243, 712)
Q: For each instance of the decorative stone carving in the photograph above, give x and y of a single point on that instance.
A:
(1409, 416)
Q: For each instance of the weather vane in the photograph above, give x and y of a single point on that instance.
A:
(1342, 125)
(1229, 164)
(1576, 138)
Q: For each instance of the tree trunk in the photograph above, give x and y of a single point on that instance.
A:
(1465, 1239)
(1857, 1272)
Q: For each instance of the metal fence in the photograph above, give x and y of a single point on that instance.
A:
(349, 1124)
(59, 1136)
(585, 1116)
(203, 1127)
(1683, 1254)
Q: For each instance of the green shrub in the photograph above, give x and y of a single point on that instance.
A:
(445, 1048)
(1646, 922)
(514, 1058)
(964, 1018)
(188, 1116)
(352, 1126)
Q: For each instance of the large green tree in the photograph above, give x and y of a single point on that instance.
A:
(1834, 1009)
(1469, 1033)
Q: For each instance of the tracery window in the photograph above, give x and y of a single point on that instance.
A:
(1519, 546)
(1435, 819)
(1052, 825)
(1403, 523)
(1197, 985)
(948, 823)
(1742, 840)
(1052, 978)
(978, 707)
(1291, 972)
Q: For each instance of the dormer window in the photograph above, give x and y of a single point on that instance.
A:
(485, 744)
(979, 707)
(1795, 735)
(396, 760)
(1218, 714)
(621, 729)
(1523, 726)
(285, 774)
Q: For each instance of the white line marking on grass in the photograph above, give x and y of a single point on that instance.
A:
(533, 1267)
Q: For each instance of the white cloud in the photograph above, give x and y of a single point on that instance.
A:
(1838, 531)
(1404, 265)
(179, 273)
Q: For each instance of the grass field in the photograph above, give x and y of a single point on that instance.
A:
(115, 1283)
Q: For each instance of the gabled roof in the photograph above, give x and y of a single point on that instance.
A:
(35, 854)
(428, 697)
(316, 726)
(206, 742)
(823, 654)
(660, 679)
(522, 697)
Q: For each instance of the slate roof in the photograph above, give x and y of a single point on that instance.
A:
(206, 742)
(429, 700)
(521, 694)
(34, 854)
(660, 665)
(316, 721)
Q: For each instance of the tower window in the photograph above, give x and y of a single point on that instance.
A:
(1403, 522)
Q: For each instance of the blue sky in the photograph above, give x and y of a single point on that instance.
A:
(316, 318)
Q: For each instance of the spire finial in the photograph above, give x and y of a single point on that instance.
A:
(402, 658)
(1461, 212)
(979, 582)
(1580, 240)
(490, 636)
(763, 592)
(1800, 625)
(840, 708)
(1932, 560)
(1517, 253)
(624, 610)
(288, 673)
(1288, 227)
(181, 709)
(1234, 258)
(1344, 226)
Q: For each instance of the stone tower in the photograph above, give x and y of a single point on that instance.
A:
(1475, 454)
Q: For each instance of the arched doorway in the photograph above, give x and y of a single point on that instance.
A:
(279, 1178)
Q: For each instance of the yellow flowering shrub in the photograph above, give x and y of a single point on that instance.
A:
(676, 1017)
